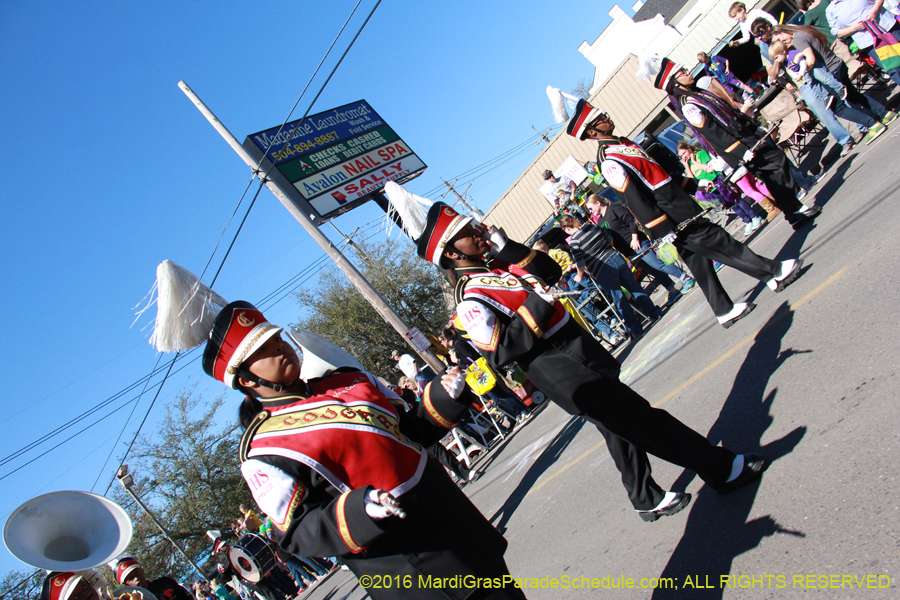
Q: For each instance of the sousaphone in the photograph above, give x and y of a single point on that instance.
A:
(67, 531)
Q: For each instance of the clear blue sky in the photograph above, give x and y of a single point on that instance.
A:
(110, 170)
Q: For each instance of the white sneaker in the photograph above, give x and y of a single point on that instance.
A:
(737, 313)
(748, 228)
(757, 223)
(790, 269)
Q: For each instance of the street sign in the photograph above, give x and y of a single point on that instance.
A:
(332, 162)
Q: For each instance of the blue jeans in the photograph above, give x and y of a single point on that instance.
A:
(829, 81)
(615, 275)
(816, 104)
(658, 269)
(300, 576)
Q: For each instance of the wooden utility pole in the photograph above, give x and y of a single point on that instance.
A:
(359, 282)
(543, 135)
(472, 211)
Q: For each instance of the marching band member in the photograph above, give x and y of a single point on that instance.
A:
(503, 308)
(342, 472)
(660, 205)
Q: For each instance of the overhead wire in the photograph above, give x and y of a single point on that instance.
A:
(261, 184)
(288, 287)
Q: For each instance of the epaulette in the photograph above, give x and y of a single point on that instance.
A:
(251, 430)
(460, 288)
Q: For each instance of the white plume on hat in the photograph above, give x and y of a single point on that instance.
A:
(186, 309)
(413, 209)
(559, 99)
(648, 67)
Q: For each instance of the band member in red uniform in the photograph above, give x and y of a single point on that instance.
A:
(659, 204)
(342, 471)
(503, 308)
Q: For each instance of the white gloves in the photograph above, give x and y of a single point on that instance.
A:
(381, 505)
(497, 242)
(718, 163)
(668, 238)
(545, 294)
(454, 381)
(748, 156)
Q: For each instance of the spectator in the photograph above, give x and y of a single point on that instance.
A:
(407, 364)
(826, 66)
(848, 18)
(698, 163)
(588, 310)
(720, 69)
(738, 12)
(595, 255)
(628, 239)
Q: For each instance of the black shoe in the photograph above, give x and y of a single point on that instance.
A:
(754, 465)
(678, 504)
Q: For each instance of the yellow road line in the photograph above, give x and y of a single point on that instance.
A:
(697, 376)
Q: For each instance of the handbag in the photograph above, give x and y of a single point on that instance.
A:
(480, 377)
(886, 46)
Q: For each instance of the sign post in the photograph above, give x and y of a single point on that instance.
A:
(298, 211)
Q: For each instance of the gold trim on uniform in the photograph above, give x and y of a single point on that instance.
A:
(527, 260)
(238, 360)
(432, 411)
(247, 438)
(733, 146)
(656, 221)
(529, 320)
(495, 339)
(343, 528)
(299, 492)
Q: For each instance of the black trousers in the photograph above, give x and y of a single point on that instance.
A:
(448, 459)
(633, 429)
(770, 165)
(570, 368)
(704, 242)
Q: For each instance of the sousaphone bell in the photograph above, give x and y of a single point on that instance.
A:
(67, 531)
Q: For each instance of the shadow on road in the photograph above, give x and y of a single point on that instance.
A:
(548, 457)
(717, 529)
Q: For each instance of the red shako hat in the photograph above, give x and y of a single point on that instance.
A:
(59, 586)
(239, 331)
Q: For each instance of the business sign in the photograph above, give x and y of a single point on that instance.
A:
(334, 161)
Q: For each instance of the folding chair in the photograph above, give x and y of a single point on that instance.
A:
(798, 124)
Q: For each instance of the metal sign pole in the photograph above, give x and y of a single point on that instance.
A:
(356, 278)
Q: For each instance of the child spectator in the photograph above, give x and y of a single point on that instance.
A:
(738, 12)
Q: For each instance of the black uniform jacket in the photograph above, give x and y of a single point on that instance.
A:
(560, 357)
(651, 194)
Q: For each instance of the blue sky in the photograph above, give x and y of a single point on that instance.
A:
(110, 170)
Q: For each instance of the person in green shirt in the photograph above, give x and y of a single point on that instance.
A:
(699, 164)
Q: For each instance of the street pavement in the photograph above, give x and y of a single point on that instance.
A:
(808, 379)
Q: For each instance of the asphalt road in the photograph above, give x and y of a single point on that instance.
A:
(808, 379)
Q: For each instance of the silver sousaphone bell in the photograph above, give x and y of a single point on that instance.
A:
(67, 531)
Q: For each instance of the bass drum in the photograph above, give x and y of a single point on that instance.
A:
(252, 557)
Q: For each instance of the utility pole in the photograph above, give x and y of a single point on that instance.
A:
(472, 211)
(365, 288)
(417, 316)
(543, 135)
